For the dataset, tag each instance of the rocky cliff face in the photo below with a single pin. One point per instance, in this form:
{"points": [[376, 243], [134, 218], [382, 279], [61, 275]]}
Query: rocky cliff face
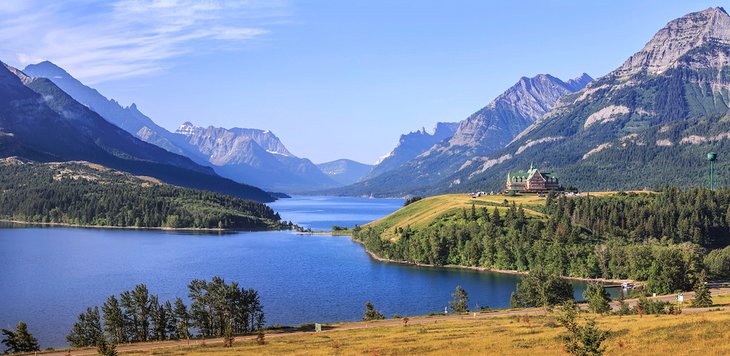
{"points": [[500, 121], [413, 144], [229, 146], [255, 156], [678, 38]]}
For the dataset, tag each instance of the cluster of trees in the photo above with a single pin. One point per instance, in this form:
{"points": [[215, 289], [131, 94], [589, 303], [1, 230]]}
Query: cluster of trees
{"points": [[217, 309], [659, 237], [19, 340], [73, 193], [411, 200]]}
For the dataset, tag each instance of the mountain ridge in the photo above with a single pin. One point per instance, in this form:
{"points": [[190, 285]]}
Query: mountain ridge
{"points": [[40, 122]]}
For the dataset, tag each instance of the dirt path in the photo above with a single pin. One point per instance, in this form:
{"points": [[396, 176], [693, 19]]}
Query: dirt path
{"points": [[373, 324]]}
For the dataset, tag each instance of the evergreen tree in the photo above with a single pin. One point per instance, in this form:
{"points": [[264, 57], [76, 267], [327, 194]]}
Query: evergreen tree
{"points": [[371, 313], [581, 340], [461, 300], [20, 340], [114, 322], [541, 289], [598, 298], [702, 298], [87, 330], [183, 319], [106, 348]]}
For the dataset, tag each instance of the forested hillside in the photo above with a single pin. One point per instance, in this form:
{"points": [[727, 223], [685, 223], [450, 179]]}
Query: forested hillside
{"points": [[82, 193], [660, 237]]}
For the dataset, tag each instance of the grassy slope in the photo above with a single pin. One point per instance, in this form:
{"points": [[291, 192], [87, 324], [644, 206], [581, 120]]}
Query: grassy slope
{"points": [[703, 332], [425, 211]]}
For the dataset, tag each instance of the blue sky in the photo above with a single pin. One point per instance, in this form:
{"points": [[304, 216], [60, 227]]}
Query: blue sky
{"points": [[333, 79]]}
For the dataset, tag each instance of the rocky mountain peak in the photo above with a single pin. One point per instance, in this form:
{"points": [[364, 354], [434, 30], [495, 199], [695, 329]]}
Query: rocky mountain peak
{"points": [[187, 129], [514, 110], [677, 38], [49, 68]]}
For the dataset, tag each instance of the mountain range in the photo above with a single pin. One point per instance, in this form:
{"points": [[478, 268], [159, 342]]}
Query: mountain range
{"points": [[39, 121], [254, 156], [466, 143], [649, 122], [250, 156]]}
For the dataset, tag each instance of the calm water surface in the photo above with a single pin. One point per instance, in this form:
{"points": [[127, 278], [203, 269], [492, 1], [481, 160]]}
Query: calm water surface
{"points": [[49, 275]]}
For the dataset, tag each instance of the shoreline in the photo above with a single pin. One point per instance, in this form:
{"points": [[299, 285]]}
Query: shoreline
{"points": [[487, 269], [158, 228]]}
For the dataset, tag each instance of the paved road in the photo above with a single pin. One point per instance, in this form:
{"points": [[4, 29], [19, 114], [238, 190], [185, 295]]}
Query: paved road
{"points": [[380, 323]]}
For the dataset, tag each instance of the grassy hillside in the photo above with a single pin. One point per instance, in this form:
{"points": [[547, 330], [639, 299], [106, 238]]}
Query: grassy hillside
{"points": [[513, 335], [619, 235], [425, 211]]}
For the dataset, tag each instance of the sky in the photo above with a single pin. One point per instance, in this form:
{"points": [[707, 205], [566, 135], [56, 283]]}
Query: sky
{"points": [[332, 79]]}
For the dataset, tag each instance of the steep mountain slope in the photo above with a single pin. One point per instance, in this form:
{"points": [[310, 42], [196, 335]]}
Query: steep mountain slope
{"points": [[274, 168], [255, 156], [482, 133], [411, 145], [649, 122], [345, 171], [38, 121], [128, 118]]}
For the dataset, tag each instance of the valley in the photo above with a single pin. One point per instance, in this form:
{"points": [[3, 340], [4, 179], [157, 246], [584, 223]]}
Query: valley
{"points": [[448, 243]]}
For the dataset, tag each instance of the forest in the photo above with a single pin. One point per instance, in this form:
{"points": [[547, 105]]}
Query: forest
{"points": [[665, 238], [85, 194]]}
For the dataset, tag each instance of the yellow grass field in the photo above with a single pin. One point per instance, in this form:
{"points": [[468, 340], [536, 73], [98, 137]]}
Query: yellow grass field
{"points": [[705, 333]]}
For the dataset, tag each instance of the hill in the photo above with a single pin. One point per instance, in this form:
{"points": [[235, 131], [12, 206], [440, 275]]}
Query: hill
{"points": [[607, 235], [88, 194]]}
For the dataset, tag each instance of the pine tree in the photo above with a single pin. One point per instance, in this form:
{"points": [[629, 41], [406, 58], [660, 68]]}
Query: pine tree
{"points": [[20, 340], [702, 297], [371, 313], [598, 298], [114, 323], [183, 319], [461, 300], [87, 330]]}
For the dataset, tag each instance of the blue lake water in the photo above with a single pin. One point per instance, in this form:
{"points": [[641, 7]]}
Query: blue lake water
{"points": [[49, 275]]}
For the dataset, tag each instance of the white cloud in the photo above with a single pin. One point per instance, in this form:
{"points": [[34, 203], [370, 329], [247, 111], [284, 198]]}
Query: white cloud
{"points": [[101, 41]]}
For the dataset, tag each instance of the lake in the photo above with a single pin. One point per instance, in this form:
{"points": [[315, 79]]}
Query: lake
{"points": [[49, 275]]}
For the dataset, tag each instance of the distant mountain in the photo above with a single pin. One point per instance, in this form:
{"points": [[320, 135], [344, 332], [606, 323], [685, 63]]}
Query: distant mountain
{"points": [[345, 171], [39, 121], [484, 132], [269, 165], [255, 156], [128, 118], [411, 145], [649, 122]]}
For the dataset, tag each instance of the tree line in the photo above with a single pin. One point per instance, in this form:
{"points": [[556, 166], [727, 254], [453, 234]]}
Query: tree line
{"points": [[216, 309], [73, 193], [660, 237]]}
